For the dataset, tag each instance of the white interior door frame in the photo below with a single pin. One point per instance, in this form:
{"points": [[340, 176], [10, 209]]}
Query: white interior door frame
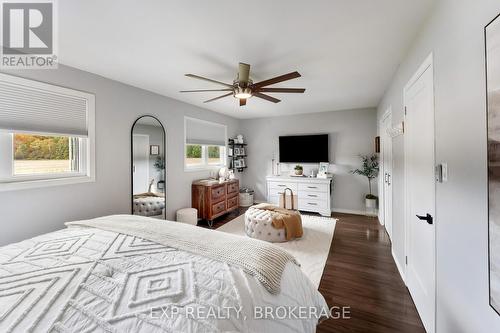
{"points": [[381, 179], [386, 170], [428, 62], [427, 65]]}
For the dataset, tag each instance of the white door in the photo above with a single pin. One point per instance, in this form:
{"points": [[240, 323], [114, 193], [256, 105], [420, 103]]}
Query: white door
{"points": [[420, 193], [387, 172], [140, 167]]}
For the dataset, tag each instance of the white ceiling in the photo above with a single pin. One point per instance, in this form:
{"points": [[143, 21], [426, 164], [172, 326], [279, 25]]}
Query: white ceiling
{"points": [[346, 51]]}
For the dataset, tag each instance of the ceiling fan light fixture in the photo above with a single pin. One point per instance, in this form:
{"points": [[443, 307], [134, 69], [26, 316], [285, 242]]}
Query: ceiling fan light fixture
{"points": [[242, 93]]}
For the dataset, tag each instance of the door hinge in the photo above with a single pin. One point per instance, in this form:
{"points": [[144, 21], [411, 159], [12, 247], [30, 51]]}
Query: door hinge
{"points": [[406, 260], [405, 110]]}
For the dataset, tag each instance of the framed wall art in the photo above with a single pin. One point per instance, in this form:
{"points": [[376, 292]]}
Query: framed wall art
{"points": [[492, 38]]}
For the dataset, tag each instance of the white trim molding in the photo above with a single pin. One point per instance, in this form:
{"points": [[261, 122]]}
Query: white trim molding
{"points": [[350, 211], [398, 266]]}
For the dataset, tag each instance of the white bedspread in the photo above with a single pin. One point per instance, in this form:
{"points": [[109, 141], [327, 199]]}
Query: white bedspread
{"points": [[91, 280]]}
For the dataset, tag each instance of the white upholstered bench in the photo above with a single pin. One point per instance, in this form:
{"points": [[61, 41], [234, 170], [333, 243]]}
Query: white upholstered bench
{"points": [[258, 224], [149, 206]]}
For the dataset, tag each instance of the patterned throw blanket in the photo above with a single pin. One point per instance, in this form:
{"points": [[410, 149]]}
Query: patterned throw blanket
{"points": [[281, 218], [263, 260]]}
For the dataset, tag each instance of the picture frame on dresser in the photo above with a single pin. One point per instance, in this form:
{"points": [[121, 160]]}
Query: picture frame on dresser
{"points": [[323, 167]]}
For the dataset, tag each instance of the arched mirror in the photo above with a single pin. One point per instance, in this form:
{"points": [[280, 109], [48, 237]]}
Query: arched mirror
{"points": [[148, 168]]}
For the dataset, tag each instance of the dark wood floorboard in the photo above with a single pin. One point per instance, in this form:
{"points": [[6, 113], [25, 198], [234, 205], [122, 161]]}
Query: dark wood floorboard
{"points": [[360, 273]]}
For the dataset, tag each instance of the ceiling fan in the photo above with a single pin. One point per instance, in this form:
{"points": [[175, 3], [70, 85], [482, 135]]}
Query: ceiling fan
{"points": [[243, 87]]}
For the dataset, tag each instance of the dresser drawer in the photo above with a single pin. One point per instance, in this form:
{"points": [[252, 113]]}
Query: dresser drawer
{"points": [[218, 208], [218, 193], [232, 202], [283, 185], [273, 191], [312, 205], [324, 188], [312, 195], [233, 188]]}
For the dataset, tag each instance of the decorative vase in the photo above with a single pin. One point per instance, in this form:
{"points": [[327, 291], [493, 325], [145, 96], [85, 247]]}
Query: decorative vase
{"points": [[299, 172]]}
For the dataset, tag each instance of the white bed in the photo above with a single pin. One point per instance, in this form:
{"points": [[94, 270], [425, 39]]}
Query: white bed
{"points": [[84, 279]]}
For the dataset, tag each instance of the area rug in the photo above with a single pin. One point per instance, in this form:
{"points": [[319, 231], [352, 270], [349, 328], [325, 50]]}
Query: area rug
{"points": [[311, 251]]}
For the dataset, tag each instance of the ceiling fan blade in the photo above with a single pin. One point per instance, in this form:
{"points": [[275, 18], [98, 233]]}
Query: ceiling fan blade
{"points": [[204, 90], [267, 97], [243, 102], [282, 90], [243, 72], [274, 80], [216, 98], [209, 80]]}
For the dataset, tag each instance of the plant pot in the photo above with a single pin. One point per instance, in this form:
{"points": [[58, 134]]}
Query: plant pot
{"points": [[371, 203], [371, 207], [299, 172]]}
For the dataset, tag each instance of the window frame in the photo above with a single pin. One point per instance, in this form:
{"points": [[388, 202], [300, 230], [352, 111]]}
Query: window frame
{"points": [[204, 149], [86, 154]]}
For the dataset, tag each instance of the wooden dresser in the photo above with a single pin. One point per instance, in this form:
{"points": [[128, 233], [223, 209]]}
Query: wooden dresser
{"points": [[213, 199]]}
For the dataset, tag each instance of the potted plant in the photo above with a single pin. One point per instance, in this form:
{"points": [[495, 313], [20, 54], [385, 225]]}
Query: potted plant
{"points": [[159, 166], [369, 169], [298, 170]]}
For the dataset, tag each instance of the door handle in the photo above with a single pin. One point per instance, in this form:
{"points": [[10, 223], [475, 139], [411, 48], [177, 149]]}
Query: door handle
{"points": [[427, 218]]}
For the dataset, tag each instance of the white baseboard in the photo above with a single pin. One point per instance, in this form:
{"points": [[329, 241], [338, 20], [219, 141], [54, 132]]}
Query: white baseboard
{"points": [[348, 211], [398, 265]]}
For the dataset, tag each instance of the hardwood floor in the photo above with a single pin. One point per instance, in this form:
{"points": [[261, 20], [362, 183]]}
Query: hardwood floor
{"points": [[360, 274]]}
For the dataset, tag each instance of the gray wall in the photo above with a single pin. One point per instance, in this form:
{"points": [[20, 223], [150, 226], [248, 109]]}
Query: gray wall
{"points": [[26, 213], [352, 132], [454, 33]]}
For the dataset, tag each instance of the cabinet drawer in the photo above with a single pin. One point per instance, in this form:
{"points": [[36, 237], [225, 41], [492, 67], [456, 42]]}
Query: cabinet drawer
{"points": [[279, 191], [283, 185], [312, 205], [233, 188], [218, 193], [325, 188], [313, 195], [218, 207], [232, 202]]}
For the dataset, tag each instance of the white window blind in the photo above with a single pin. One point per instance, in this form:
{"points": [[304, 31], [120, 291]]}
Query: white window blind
{"points": [[31, 106], [201, 132]]}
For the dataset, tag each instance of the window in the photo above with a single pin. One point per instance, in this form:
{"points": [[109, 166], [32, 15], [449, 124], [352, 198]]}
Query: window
{"points": [[43, 154], [194, 155], [46, 134], [205, 144]]}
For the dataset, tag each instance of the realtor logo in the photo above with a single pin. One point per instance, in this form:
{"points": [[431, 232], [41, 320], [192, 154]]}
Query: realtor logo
{"points": [[28, 31]]}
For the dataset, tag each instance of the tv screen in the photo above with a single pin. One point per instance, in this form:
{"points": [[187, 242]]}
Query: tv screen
{"points": [[304, 149]]}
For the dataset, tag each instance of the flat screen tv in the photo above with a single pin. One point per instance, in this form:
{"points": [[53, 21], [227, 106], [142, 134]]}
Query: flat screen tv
{"points": [[304, 148]]}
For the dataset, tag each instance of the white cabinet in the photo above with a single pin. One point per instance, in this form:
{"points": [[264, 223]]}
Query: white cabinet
{"points": [[314, 194]]}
